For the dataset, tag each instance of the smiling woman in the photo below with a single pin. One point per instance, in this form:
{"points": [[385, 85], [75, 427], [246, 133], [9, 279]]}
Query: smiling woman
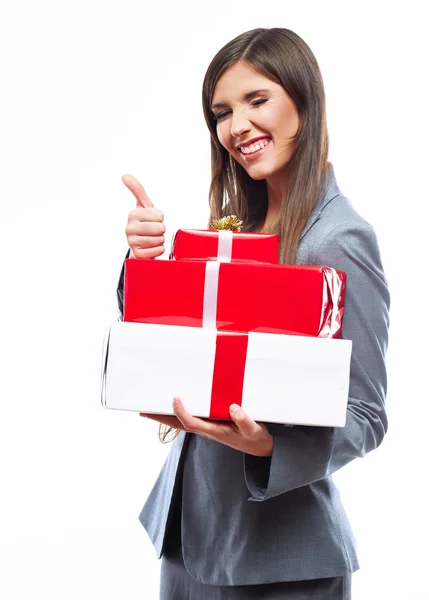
{"points": [[244, 509], [266, 84], [260, 122]]}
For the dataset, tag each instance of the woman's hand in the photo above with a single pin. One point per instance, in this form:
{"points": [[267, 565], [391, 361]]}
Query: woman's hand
{"points": [[242, 433], [145, 228]]}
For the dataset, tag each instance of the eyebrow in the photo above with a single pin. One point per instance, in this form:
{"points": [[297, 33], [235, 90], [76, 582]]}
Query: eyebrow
{"points": [[247, 96]]}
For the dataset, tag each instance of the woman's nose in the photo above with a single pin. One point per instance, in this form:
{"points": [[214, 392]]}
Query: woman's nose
{"points": [[239, 124]]}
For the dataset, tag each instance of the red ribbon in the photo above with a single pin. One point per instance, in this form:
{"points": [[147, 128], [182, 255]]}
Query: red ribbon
{"points": [[228, 374]]}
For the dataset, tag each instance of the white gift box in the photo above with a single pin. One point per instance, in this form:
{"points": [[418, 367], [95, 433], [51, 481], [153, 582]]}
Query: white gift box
{"points": [[286, 379]]}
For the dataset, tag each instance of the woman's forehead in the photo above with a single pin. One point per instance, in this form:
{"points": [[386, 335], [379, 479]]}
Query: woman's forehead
{"points": [[238, 81]]}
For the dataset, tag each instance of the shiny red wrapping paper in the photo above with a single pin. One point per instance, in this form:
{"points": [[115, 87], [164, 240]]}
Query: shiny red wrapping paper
{"points": [[228, 374], [204, 244], [286, 299]]}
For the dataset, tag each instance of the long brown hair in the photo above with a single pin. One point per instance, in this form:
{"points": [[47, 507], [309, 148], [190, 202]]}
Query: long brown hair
{"points": [[282, 56]]}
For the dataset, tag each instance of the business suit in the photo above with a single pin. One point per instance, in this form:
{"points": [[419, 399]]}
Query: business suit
{"points": [[249, 521]]}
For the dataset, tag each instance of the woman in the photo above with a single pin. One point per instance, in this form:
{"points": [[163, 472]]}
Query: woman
{"points": [[244, 509]]}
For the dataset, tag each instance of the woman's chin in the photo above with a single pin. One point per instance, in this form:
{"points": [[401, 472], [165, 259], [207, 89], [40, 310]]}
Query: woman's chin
{"points": [[257, 173]]}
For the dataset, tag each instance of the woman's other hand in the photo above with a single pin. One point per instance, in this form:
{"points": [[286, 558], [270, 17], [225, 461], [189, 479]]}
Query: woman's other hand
{"points": [[145, 227], [242, 433]]}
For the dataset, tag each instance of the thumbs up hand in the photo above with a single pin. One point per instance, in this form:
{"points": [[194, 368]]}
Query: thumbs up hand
{"points": [[145, 227]]}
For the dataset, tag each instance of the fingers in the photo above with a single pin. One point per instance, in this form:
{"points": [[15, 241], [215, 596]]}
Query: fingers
{"points": [[142, 199], [247, 426], [145, 232], [194, 424], [146, 241], [146, 214], [148, 253], [149, 228], [241, 433]]}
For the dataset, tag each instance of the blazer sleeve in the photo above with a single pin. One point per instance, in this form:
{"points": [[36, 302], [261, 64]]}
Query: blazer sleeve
{"points": [[302, 455], [120, 288]]}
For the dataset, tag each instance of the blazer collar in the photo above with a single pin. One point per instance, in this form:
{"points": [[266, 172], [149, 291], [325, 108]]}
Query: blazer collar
{"points": [[328, 191]]}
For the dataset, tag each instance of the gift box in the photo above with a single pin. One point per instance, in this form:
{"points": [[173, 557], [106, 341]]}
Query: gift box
{"points": [[275, 378], [240, 297], [224, 246]]}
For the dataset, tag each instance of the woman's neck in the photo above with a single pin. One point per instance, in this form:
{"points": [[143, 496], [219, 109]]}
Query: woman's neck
{"points": [[277, 190]]}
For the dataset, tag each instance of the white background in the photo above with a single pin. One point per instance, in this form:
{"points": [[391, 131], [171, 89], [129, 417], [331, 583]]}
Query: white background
{"points": [[92, 90]]}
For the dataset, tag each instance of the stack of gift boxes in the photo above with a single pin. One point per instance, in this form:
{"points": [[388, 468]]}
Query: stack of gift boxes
{"points": [[222, 322]]}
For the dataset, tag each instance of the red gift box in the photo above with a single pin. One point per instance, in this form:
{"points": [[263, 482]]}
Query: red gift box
{"points": [[240, 297], [224, 245]]}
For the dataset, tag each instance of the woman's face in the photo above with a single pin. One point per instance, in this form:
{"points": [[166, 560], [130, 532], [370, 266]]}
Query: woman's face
{"points": [[255, 120]]}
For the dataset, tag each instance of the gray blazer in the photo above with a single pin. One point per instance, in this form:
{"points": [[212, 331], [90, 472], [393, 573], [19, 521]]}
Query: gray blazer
{"points": [[250, 520]]}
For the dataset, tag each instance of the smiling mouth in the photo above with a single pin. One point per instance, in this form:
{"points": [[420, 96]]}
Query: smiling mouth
{"points": [[254, 150]]}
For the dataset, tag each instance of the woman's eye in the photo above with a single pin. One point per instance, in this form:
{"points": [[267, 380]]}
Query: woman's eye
{"points": [[221, 115], [225, 113], [259, 101]]}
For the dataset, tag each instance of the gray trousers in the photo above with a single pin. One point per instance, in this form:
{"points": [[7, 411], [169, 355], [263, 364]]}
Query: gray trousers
{"points": [[177, 584]]}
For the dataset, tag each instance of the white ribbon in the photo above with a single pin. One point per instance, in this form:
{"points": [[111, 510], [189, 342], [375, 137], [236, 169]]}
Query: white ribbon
{"points": [[224, 249], [211, 282], [210, 293]]}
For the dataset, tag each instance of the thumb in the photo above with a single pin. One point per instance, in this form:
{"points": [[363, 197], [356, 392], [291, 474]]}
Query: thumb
{"points": [[246, 425], [138, 190]]}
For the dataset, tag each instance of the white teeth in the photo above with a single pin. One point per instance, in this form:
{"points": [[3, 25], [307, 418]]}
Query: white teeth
{"points": [[253, 147]]}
